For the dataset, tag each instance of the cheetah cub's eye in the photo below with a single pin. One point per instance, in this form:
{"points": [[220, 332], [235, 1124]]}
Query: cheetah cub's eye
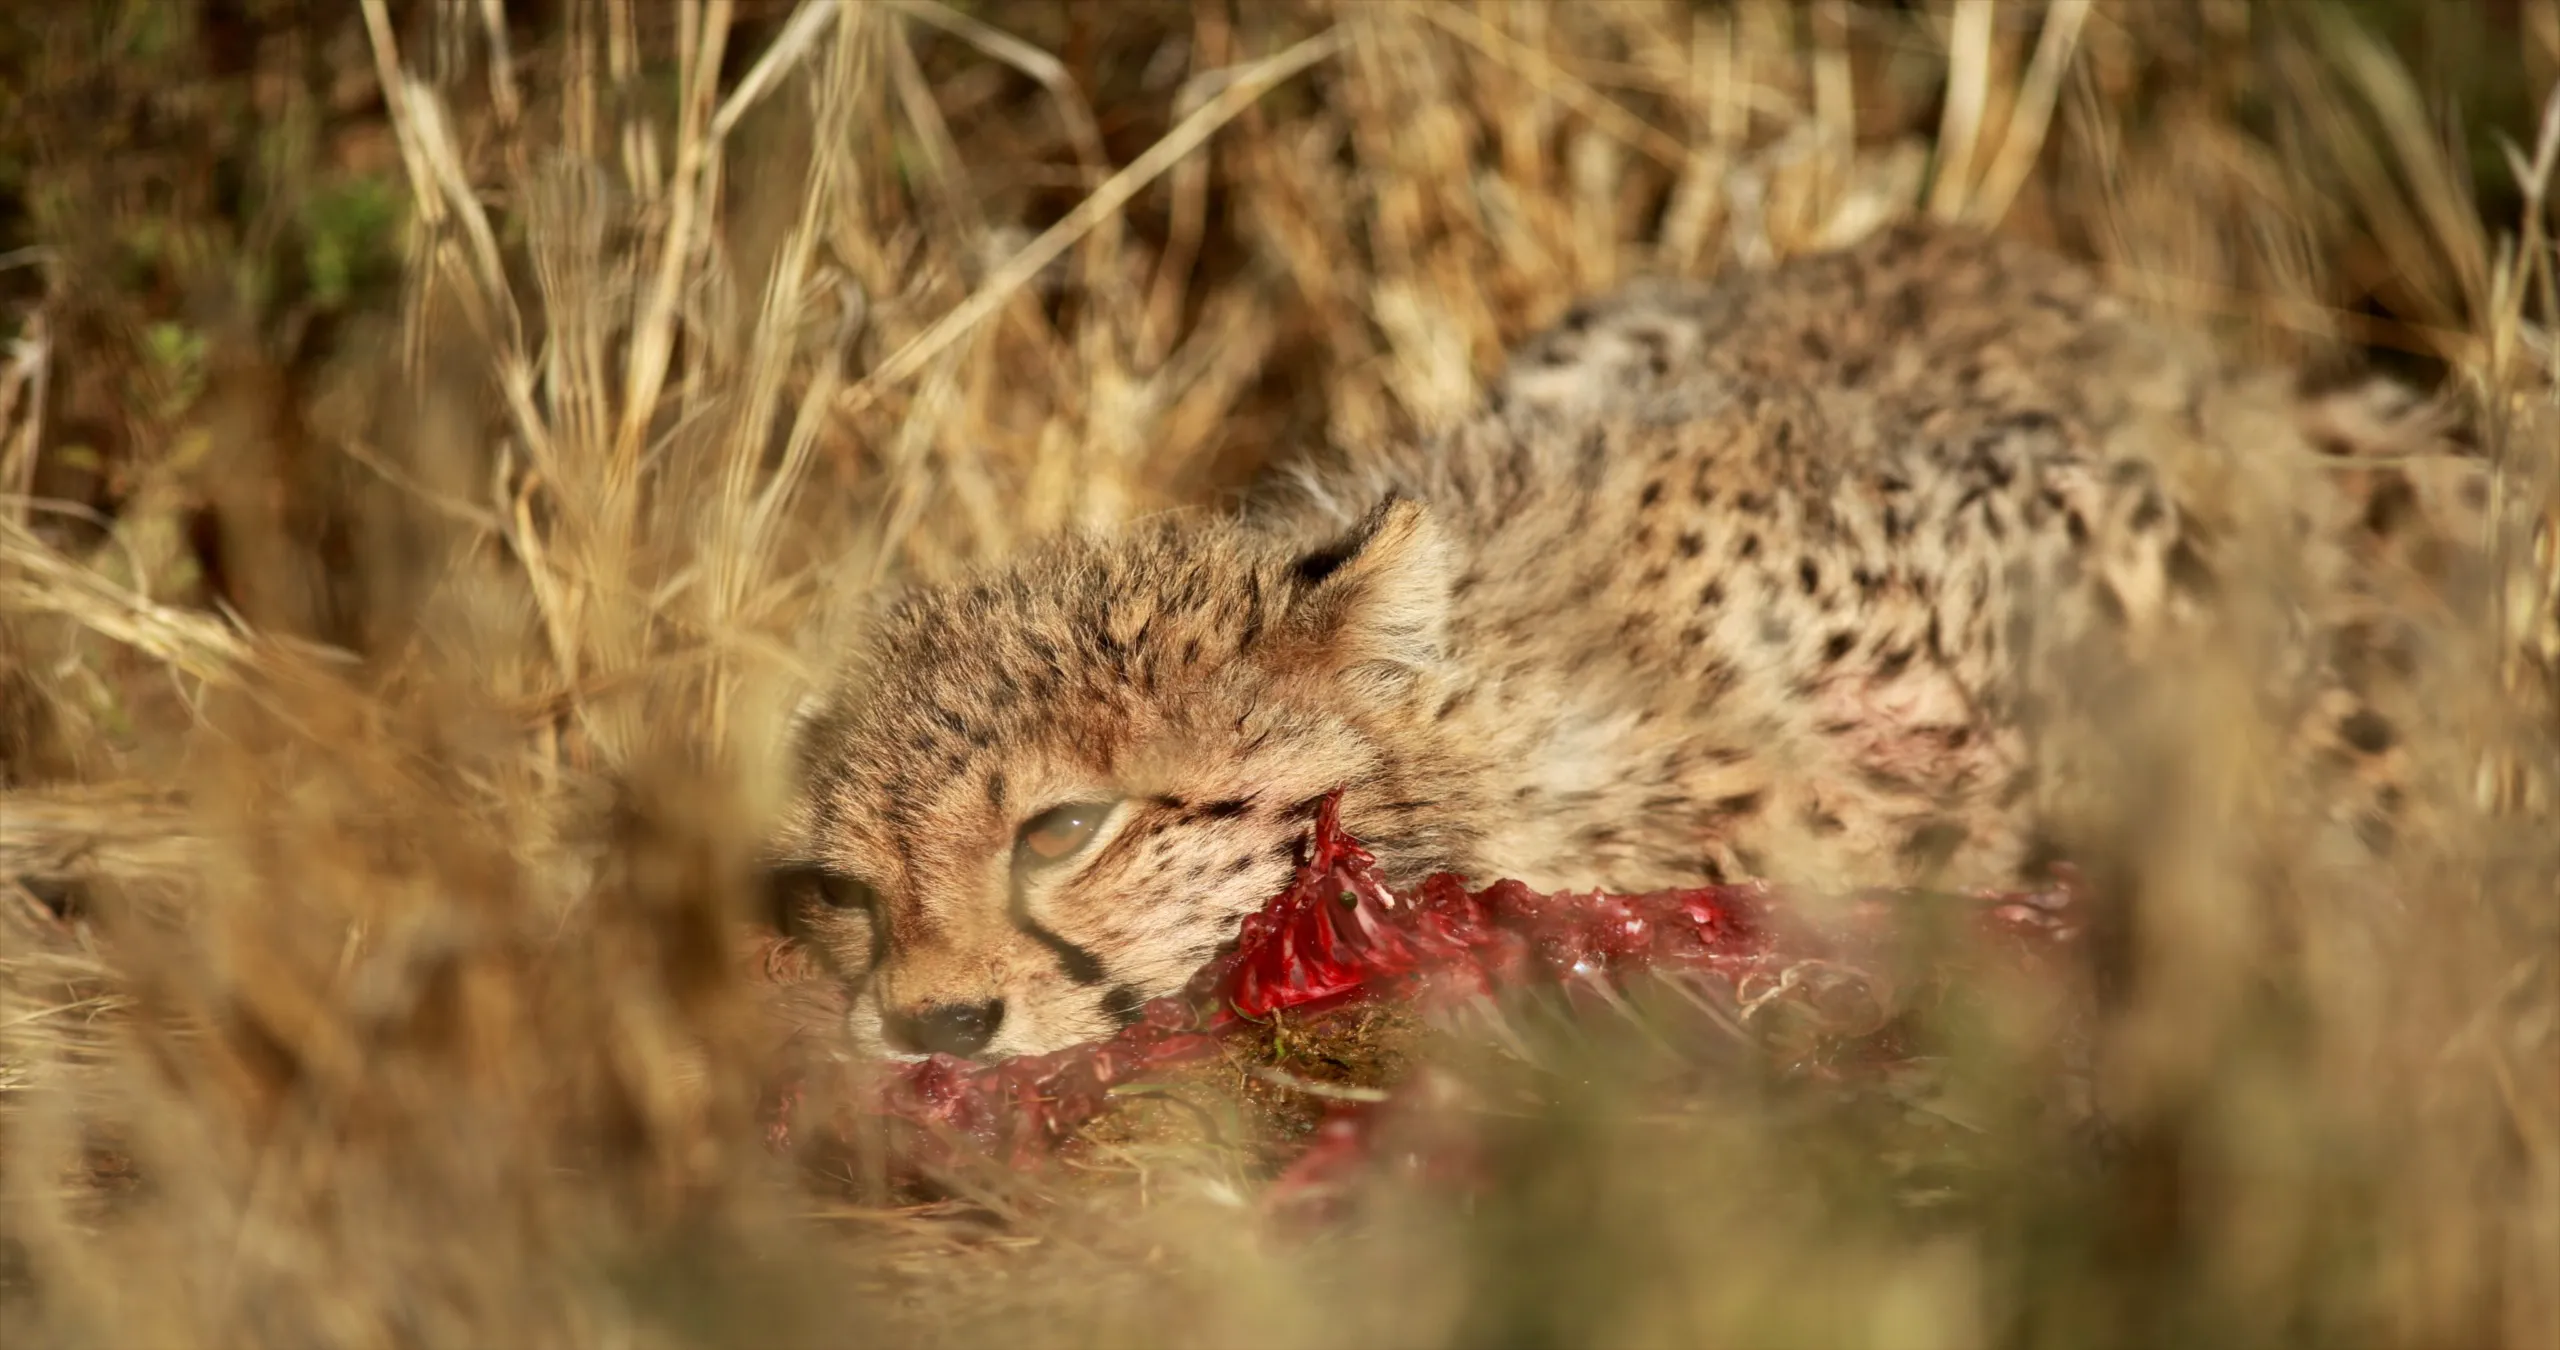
{"points": [[1059, 833], [799, 894], [832, 889], [847, 893]]}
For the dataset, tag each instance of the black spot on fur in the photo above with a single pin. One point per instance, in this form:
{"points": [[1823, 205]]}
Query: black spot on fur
{"points": [[1932, 844], [1837, 645], [1690, 544], [2368, 731], [2393, 503], [1224, 810], [2044, 855], [1903, 309], [2189, 572], [1657, 349], [1121, 1005], [1738, 805], [1651, 495], [2110, 606], [1595, 450], [2149, 513], [1808, 575]]}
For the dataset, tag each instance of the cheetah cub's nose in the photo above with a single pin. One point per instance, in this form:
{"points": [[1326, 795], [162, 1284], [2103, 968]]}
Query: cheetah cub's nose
{"points": [[945, 1028]]}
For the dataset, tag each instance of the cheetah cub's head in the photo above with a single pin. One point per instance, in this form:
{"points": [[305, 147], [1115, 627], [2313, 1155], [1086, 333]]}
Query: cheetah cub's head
{"points": [[1046, 795]]}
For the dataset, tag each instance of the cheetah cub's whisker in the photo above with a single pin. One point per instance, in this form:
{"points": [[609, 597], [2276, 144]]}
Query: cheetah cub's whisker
{"points": [[1799, 574]]}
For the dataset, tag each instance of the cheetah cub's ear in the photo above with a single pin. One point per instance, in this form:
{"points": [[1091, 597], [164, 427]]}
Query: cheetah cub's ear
{"points": [[1378, 597]]}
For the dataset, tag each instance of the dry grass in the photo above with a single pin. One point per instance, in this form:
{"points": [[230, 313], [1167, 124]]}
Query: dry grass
{"points": [[428, 441]]}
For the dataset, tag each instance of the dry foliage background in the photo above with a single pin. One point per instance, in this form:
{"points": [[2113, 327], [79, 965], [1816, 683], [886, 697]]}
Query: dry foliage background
{"points": [[432, 433]]}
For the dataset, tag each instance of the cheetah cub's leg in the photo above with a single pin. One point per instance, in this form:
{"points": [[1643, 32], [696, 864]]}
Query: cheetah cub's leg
{"points": [[2400, 518], [2378, 511], [2380, 514]]}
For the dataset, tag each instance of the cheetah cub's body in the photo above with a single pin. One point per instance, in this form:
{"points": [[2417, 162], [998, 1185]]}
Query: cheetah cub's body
{"points": [[1789, 575]]}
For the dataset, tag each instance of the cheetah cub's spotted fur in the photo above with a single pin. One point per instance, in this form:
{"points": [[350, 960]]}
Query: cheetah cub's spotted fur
{"points": [[1788, 575]]}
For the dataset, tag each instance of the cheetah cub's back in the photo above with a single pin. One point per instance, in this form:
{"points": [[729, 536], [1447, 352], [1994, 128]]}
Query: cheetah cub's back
{"points": [[1810, 574]]}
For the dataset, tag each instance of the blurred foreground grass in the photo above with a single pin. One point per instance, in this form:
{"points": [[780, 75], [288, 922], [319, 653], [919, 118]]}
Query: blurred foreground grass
{"points": [[432, 435]]}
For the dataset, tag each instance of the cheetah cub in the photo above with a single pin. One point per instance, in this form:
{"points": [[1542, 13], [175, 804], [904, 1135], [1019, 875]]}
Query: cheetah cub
{"points": [[1790, 575]]}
